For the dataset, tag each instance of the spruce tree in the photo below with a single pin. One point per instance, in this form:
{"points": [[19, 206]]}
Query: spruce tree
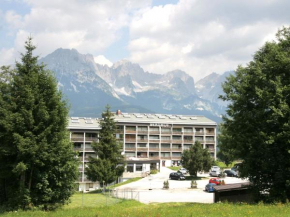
{"points": [[196, 159], [109, 163], [38, 165]]}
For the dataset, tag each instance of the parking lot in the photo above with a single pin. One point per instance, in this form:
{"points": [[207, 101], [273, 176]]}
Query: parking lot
{"points": [[151, 188]]}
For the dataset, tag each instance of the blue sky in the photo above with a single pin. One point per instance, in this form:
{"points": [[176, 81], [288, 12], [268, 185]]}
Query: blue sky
{"points": [[197, 36]]}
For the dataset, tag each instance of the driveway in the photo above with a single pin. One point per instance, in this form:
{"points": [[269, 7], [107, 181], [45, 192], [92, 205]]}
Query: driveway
{"points": [[151, 190]]}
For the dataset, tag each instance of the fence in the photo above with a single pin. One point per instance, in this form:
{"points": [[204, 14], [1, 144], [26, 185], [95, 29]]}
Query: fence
{"points": [[110, 197]]}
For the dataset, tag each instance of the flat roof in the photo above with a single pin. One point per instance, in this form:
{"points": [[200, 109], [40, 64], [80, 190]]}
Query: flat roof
{"points": [[230, 187], [140, 118], [163, 119]]}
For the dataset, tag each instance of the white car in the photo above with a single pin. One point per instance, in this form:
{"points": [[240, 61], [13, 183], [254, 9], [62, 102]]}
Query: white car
{"points": [[215, 171], [183, 170]]}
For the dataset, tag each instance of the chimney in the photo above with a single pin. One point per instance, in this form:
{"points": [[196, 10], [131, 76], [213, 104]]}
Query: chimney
{"points": [[118, 112]]}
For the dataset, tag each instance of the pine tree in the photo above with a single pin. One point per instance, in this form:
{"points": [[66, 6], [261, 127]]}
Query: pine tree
{"points": [[196, 159], [109, 163], [38, 165]]}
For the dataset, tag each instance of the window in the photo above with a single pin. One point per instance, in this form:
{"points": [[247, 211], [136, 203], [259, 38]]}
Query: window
{"points": [[130, 168], [91, 185], [139, 167], [154, 137]]}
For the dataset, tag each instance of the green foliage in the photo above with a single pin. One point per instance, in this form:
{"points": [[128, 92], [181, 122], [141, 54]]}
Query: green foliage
{"points": [[196, 159], [166, 184], [226, 153], [37, 164], [257, 125], [153, 171], [174, 168], [109, 164]]}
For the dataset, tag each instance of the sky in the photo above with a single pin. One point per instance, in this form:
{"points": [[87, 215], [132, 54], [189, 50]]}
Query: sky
{"points": [[196, 36]]}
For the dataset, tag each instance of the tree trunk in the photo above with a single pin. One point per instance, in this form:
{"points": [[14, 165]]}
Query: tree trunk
{"points": [[30, 179]]}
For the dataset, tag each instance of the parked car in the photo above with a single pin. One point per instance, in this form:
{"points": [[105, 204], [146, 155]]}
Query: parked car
{"points": [[231, 173], [215, 171], [183, 171], [215, 181], [177, 176], [209, 187]]}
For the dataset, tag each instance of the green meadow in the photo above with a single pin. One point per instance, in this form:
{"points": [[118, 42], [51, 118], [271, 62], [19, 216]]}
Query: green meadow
{"points": [[95, 205]]}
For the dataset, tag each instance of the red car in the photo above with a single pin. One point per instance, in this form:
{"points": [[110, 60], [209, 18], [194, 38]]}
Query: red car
{"points": [[215, 180]]}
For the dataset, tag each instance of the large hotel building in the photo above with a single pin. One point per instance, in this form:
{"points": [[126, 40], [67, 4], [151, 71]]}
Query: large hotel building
{"points": [[150, 141]]}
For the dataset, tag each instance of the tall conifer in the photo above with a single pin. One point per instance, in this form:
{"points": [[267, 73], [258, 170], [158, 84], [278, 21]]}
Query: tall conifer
{"points": [[38, 165], [109, 163]]}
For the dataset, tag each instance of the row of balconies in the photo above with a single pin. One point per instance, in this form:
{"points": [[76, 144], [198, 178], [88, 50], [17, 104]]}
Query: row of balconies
{"points": [[165, 141], [165, 133]]}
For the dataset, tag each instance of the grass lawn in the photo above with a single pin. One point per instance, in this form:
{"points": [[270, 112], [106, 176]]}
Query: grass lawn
{"points": [[174, 168], [134, 208]]}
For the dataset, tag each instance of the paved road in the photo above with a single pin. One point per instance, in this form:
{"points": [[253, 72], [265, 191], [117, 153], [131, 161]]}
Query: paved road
{"points": [[150, 189]]}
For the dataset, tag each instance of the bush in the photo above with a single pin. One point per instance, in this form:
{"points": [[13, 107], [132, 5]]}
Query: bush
{"points": [[153, 171], [166, 185]]}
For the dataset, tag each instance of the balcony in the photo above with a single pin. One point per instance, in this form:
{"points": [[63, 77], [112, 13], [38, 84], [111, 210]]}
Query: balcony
{"points": [[142, 148], [89, 149], [142, 132], [188, 133], [80, 169], [165, 140], [211, 149], [78, 148], [177, 149], [165, 158], [209, 141], [154, 132], [209, 133], [130, 149], [131, 131], [92, 139], [199, 133], [142, 156], [165, 149], [177, 132], [154, 157], [142, 140], [130, 139], [176, 141], [187, 141], [77, 138], [176, 158], [153, 149], [166, 132]]}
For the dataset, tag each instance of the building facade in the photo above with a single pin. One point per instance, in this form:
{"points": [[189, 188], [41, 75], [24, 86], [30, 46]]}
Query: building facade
{"points": [[150, 141]]}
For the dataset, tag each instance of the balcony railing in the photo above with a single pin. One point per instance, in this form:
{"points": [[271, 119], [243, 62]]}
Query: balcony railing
{"points": [[77, 139], [154, 132], [209, 133], [176, 141], [176, 157], [165, 132], [142, 131], [199, 133], [154, 157], [142, 156], [166, 140], [165, 149], [177, 149], [209, 141], [130, 139], [168, 158], [142, 149], [91, 139], [188, 140], [78, 149], [142, 140], [153, 149], [89, 149], [130, 149], [176, 132], [188, 133]]}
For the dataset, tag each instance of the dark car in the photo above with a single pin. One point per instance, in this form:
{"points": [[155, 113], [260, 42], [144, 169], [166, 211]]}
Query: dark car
{"points": [[177, 176], [209, 187], [231, 173]]}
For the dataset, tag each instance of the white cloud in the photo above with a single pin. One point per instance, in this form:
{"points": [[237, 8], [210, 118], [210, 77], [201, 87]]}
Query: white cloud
{"points": [[206, 36], [89, 26], [7, 56], [102, 60]]}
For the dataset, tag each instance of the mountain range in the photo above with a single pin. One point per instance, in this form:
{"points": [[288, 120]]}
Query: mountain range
{"points": [[89, 87]]}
